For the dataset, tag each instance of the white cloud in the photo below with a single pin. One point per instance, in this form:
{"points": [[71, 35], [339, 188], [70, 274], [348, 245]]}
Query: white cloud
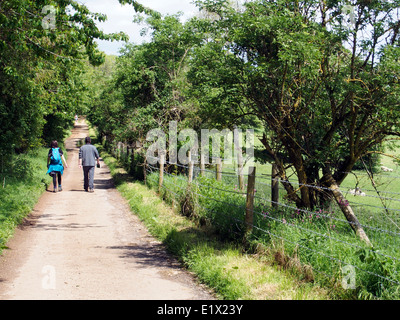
{"points": [[120, 18]]}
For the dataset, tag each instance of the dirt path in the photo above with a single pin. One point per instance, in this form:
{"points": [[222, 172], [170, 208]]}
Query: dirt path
{"points": [[78, 245]]}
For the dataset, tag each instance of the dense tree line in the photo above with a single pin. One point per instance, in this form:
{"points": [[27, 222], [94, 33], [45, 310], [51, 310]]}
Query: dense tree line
{"points": [[320, 78], [45, 50]]}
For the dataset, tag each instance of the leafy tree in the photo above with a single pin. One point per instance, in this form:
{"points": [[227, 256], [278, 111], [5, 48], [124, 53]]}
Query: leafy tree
{"points": [[149, 81], [41, 67], [323, 81]]}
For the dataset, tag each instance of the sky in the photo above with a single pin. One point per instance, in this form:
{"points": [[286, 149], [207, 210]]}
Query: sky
{"points": [[119, 18]]}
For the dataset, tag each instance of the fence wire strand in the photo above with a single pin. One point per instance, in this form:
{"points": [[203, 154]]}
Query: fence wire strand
{"points": [[284, 222]]}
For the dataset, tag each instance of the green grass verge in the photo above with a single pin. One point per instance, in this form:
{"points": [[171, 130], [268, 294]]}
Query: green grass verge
{"points": [[221, 265], [22, 183]]}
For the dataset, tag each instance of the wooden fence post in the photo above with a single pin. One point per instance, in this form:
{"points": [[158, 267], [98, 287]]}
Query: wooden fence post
{"points": [[249, 220], [161, 178], [219, 169], [274, 186]]}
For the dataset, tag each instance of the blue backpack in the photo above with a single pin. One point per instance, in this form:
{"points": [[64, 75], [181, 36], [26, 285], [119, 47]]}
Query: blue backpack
{"points": [[55, 156]]}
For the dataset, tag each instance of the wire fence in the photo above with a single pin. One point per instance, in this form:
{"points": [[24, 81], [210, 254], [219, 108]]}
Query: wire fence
{"points": [[321, 239]]}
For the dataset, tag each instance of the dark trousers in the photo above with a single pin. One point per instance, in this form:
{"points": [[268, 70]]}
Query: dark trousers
{"points": [[55, 175], [88, 178]]}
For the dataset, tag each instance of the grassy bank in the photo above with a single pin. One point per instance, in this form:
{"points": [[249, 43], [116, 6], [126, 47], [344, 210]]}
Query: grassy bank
{"points": [[317, 246], [221, 265], [23, 181]]}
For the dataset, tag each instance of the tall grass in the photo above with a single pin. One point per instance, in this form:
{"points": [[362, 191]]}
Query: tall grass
{"points": [[319, 245], [23, 181], [218, 263]]}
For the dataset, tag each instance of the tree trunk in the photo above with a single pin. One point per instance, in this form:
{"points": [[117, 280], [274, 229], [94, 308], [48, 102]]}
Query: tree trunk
{"points": [[291, 193], [346, 209]]}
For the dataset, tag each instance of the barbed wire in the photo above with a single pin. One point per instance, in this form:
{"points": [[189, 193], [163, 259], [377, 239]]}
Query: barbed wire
{"points": [[298, 227], [319, 214], [325, 216], [307, 211], [293, 182], [327, 256], [316, 187], [236, 223], [358, 204], [350, 201], [328, 189], [201, 195], [341, 186], [322, 235]]}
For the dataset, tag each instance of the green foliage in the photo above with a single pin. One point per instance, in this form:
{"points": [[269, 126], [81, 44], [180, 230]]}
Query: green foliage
{"points": [[322, 95], [319, 84], [41, 68], [220, 265], [22, 182], [326, 96], [317, 240], [148, 87]]}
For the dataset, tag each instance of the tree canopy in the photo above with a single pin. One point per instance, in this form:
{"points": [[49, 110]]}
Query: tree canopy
{"points": [[148, 87], [318, 79], [44, 49], [321, 76]]}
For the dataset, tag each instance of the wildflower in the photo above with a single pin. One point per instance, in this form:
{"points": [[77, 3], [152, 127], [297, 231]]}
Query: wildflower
{"points": [[284, 220]]}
